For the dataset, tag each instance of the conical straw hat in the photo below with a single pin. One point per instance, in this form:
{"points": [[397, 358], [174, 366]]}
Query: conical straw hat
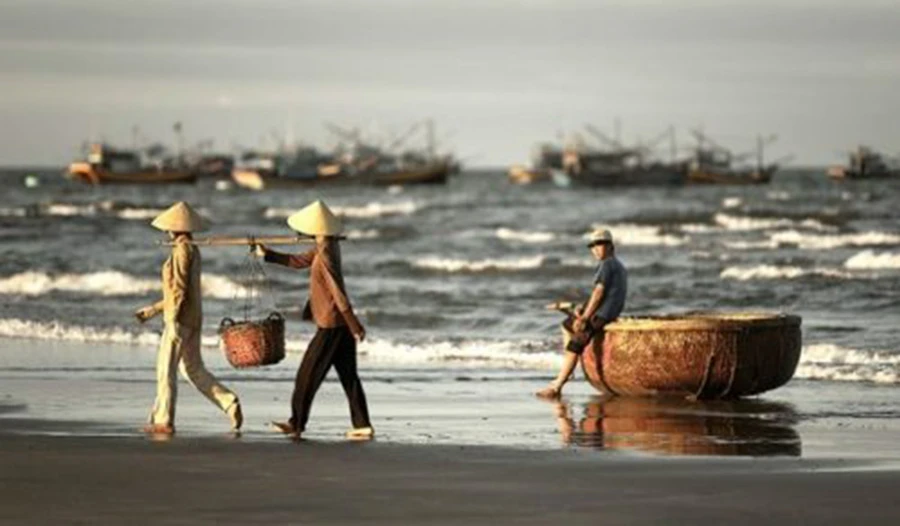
{"points": [[180, 217], [316, 220]]}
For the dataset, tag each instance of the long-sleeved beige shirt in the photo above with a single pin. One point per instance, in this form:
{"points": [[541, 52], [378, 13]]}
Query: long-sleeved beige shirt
{"points": [[182, 302], [328, 305]]}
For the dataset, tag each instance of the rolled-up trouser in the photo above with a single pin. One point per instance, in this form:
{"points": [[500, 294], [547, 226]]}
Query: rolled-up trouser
{"points": [[333, 346], [179, 348]]}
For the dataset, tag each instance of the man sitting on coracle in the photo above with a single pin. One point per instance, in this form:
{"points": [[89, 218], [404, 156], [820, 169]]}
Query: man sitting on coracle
{"points": [[604, 306]]}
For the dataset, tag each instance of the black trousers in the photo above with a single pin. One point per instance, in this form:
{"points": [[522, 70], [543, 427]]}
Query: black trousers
{"points": [[329, 347]]}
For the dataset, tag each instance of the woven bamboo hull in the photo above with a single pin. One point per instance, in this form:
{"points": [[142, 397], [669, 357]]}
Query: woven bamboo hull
{"points": [[701, 356]]}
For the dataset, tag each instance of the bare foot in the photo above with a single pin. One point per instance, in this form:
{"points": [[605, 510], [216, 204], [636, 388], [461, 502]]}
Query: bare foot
{"points": [[549, 392], [159, 429], [287, 428]]}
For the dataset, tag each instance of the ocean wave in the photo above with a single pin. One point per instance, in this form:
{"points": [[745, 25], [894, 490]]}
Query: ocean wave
{"points": [[831, 362], [455, 265], [99, 209], [363, 234], [533, 237], [13, 212], [53, 330], [641, 235], [831, 241], [817, 361], [732, 202], [745, 223], [774, 272], [107, 283], [751, 245], [470, 353], [367, 211], [869, 259]]}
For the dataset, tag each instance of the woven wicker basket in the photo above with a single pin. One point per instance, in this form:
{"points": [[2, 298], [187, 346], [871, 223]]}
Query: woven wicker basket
{"points": [[253, 343]]}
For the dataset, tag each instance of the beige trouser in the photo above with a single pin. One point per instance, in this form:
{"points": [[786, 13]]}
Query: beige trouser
{"points": [[181, 346]]}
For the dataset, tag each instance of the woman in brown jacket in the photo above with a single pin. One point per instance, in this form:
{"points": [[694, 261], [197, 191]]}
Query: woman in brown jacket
{"points": [[329, 308]]}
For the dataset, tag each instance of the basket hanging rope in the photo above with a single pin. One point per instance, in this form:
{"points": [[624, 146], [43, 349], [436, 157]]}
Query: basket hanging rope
{"points": [[252, 343]]}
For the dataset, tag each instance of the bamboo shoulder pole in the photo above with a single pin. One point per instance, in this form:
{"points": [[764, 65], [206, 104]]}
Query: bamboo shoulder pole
{"points": [[226, 241]]}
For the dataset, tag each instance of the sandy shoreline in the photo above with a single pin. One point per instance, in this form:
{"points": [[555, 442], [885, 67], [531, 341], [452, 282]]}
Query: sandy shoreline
{"points": [[215, 479], [454, 447]]}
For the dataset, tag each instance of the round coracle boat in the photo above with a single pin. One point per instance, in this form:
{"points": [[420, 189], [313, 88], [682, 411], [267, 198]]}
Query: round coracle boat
{"points": [[695, 355]]}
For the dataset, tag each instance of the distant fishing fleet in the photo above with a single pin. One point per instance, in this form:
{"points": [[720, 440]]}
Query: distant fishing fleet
{"points": [[589, 158]]}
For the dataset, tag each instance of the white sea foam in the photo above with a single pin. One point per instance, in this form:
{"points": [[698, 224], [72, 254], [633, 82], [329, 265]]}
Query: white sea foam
{"points": [[367, 211], [641, 235], [377, 209], [831, 241], [745, 223], [473, 353], [480, 265], [774, 272], [778, 196], [102, 209], [732, 202], [869, 259], [698, 228], [751, 245], [831, 362], [106, 283], [138, 213], [363, 234], [13, 212], [16, 328], [533, 237]]}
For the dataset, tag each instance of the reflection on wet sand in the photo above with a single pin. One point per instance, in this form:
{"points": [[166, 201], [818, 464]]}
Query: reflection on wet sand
{"points": [[681, 427]]}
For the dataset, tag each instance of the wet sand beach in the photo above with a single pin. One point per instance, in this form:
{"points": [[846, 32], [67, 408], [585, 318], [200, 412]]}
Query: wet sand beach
{"points": [[471, 447], [215, 480]]}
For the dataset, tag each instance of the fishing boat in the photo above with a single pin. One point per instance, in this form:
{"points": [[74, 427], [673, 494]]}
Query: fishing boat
{"points": [[695, 355], [606, 162], [714, 164], [865, 163], [106, 165], [519, 174], [618, 168], [261, 172]]}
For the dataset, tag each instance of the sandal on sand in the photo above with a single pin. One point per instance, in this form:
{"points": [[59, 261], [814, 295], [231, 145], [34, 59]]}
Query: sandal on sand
{"points": [[361, 433], [236, 416], [159, 429], [286, 428]]}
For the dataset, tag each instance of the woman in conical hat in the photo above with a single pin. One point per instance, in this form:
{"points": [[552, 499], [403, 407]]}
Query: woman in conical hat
{"points": [[329, 308], [182, 310]]}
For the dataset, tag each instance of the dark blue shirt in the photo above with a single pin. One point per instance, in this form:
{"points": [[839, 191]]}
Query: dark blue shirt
{"points": [[612, 275]]}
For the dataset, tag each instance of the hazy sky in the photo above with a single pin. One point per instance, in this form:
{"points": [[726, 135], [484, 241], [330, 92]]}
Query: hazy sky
{"points": [[497, 76]]}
